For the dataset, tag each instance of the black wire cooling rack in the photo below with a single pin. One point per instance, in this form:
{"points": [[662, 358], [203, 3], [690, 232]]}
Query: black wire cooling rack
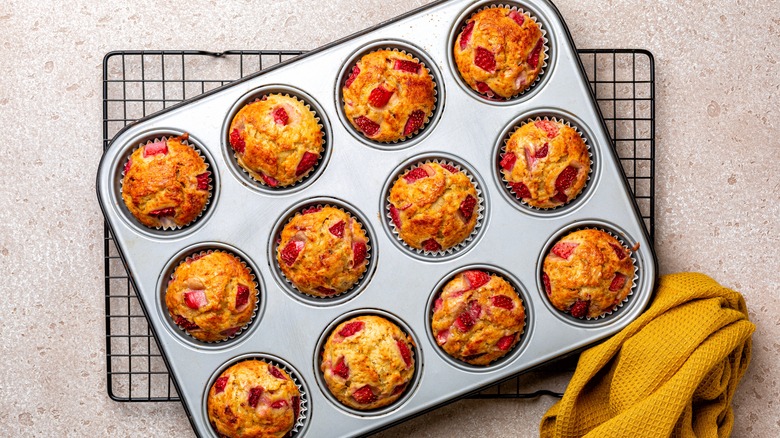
{"points": [[139, 83]]}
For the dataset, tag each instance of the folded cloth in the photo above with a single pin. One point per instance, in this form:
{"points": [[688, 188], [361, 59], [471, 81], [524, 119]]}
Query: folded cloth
{"points": [[671, 372]]}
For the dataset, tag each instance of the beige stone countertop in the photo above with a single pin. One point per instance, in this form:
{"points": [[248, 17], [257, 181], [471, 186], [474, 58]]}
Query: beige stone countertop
{"points": [[717, 173]]}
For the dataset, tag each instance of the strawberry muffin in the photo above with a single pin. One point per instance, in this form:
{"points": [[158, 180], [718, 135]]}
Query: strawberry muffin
{"points": [[277, 139], [588, 273], [323, 251], [433, 207], [165, 183], [500, 52], [254, 399], [211, 295], [478, 317], [388, 95], [367, 362], [545, 163]]}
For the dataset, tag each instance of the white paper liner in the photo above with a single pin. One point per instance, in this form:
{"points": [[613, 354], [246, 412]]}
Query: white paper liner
{"points": [[168, 224], [502, 151], [479, 211]]}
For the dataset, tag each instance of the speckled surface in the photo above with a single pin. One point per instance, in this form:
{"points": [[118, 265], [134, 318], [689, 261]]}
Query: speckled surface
{"points": [[718, 185]]}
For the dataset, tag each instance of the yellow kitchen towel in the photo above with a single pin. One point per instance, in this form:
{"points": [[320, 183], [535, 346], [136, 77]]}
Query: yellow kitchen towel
{"points": [[671, 372]]}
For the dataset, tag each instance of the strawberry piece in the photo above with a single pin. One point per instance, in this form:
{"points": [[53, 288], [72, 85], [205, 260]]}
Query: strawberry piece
{"points": [[269, 180], [450, 168], [467, 207], [254, 395], [351, 328], [379, 97], [338, 229], [508, 161], [464, 322], [280, 116], [242, 297], [437, 304], [543, 151], [414, 122], [579, 309], [168, 211], [566, 178], [325, 290], [195, 299], [561, 197], [359, 251], [203, 181], [296, 405], [618, 282], [352, 76], [219, 385], [474, 309], [618, 251], [521, 190], [518, 17], [476, 279], [431, 245], [415, 174], [308, 160], [503, 302], [405, 353], [279, 404], [546, 281], [465, 36], [485, 89], [156, 148], [407, 66], [291, 251], [485, 59], [395, 215], [505, 342], [529, 157], [276, 372], [549, 128], [310, 210], [128, 165], [185, 323], [564, 249], [236, 142], [399, 389], [367, 126], [341, 369], [230, 332], [364, 395], [533, 57], [442, 336]]}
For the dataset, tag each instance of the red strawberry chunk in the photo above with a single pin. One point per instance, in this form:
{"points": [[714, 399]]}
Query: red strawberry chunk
{"points": [[341, 369], [168, 211], [230, 332], [203, 181], [561, 197], [477, 278], [564, 249], [518, 17], [505, 342], [542, 151], [237, 142], [450, 168], [503, 302], [367, 126], [269, 180], [338, 229], [465, 36], [399, 389], [308, 160], [254, 395], [414, 122], [407, 66], [219, 385], [195, 299], [508, 161], [464, 322], [325, 290], [156, 148], [379, 97], [442, 336], [474, 309], [485, 59], [280, 116], [485, 89], [437, 304], [549, 128], [352, 76], [276, 372], [310, 210], [415, 174], [291, 251], [296, 405], [533, 57], [579, 309], [566, 178], [618, 282], [405, 353], [364, 395], [352, 328], [359, 251], [128, 165], [279, 404], [521, 190], [546, 281], [185, 323], [431, 245], [242, 297], [618, 251], [395, 215], [467, 207]]}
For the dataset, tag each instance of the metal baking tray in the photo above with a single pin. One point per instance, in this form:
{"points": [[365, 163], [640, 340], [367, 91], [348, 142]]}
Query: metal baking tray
{"points": [[466, 128]]}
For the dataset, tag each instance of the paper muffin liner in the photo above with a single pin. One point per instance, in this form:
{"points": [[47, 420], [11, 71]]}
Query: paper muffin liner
{"points": [[195, 256], [545, 48], [357, 283], [428, 117], [629, 249], [167, 224], [502, 151], [479, 211], [256, 176]]}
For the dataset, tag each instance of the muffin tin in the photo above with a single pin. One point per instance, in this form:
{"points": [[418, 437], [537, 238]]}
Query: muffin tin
{"points": [[512, 240]]}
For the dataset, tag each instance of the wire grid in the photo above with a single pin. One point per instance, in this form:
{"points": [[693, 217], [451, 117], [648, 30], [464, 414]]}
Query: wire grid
{"points": [[139, 83]]}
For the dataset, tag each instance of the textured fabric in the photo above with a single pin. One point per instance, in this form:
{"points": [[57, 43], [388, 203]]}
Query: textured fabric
{"points": [[672, 372]]}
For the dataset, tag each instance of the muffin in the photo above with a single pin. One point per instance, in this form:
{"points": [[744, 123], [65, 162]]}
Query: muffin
{"points": [[500, 52], [322, 251], [546, 163], [367, 362], [388, 95], [434, 206], [277, 139], [165, 183], [478, 317], [211, 295], [253, 399], [588, 273]]}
